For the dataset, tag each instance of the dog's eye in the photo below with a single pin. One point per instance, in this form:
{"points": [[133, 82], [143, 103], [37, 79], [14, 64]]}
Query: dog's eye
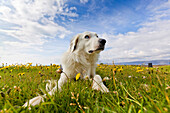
{"points": [[86, 37], [97, 36]]}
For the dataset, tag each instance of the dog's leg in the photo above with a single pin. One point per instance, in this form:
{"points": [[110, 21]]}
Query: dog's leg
{"points": [[37, 100], [91, 70], [34, 101], [98, 84], [63, 79]]}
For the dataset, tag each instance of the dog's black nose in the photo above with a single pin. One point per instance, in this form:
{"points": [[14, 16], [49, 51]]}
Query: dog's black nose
{"points": [[102, 41]]}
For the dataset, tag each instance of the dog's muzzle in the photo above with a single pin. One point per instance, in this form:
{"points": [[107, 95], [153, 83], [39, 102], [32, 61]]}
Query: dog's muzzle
{"points": [[101, 45], [102, 41]]}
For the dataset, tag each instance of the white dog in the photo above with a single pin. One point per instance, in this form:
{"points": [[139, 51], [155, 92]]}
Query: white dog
{"points": [[81, 57]]}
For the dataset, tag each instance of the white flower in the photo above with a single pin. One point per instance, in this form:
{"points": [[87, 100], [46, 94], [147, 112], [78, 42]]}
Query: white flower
{"points": [[106, 78], [143, 77]]}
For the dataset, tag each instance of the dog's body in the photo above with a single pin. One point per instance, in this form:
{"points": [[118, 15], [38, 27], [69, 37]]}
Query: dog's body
{"points": [[81, 58]]}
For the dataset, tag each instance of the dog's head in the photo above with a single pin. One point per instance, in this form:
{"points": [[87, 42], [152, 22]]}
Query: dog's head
{"points": [[88, 42]]}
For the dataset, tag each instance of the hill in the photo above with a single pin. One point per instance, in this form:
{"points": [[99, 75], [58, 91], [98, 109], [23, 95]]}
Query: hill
{"points": [[154, 62]]}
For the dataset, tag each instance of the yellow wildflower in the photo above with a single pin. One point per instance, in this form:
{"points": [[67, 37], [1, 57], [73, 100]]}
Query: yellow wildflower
{"points": [[58, 66], [21, 74], [54, 65], [120, 69], [138, 68], [11, 70], [78, 76], [139, 71]]}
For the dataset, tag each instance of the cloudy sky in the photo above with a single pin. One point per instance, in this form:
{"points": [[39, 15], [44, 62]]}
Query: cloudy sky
{"points": [[39, 31]]}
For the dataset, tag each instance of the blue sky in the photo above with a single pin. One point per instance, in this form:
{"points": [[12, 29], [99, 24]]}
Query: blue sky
{"points": [[40, 31]]}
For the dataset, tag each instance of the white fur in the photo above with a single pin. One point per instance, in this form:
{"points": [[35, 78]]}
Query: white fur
{"points": [[34, 101], [98, 84], [77, 59]]}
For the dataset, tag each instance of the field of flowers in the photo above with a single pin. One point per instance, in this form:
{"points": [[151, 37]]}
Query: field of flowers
{"points": [[133, 89]]}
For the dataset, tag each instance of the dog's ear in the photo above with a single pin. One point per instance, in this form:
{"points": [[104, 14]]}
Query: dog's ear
{"points": [[73, 44]]}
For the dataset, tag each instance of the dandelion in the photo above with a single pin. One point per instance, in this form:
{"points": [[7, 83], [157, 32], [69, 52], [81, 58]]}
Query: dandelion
{"points": [[58, 66], [138, 68], [120, 70], [60, 69], [139, 111], [114, 69], [78, 76], [11, 71], [139, 71], [20, 74], [54, 65], [29, 64]]}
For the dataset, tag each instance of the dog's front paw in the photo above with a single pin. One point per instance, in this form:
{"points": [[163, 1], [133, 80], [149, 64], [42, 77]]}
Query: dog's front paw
{"points": [[35, 101], [98, 84]]}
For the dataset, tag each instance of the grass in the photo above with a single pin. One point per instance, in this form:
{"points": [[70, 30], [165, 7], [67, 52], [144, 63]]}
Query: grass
{"points": [[133, 89]]}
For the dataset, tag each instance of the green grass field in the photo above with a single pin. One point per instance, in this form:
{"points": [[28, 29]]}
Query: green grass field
{"points": [[133, 89]]}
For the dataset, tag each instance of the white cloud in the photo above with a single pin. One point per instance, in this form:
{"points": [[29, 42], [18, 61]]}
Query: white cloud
{"points": [[83, 1], [20, 52], [32, 58], [162, 10], [29, 16], [26, 25], [151, 42]]}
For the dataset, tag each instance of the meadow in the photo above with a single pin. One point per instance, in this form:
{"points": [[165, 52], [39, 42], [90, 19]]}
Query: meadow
{"points": [[133, 89]]}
